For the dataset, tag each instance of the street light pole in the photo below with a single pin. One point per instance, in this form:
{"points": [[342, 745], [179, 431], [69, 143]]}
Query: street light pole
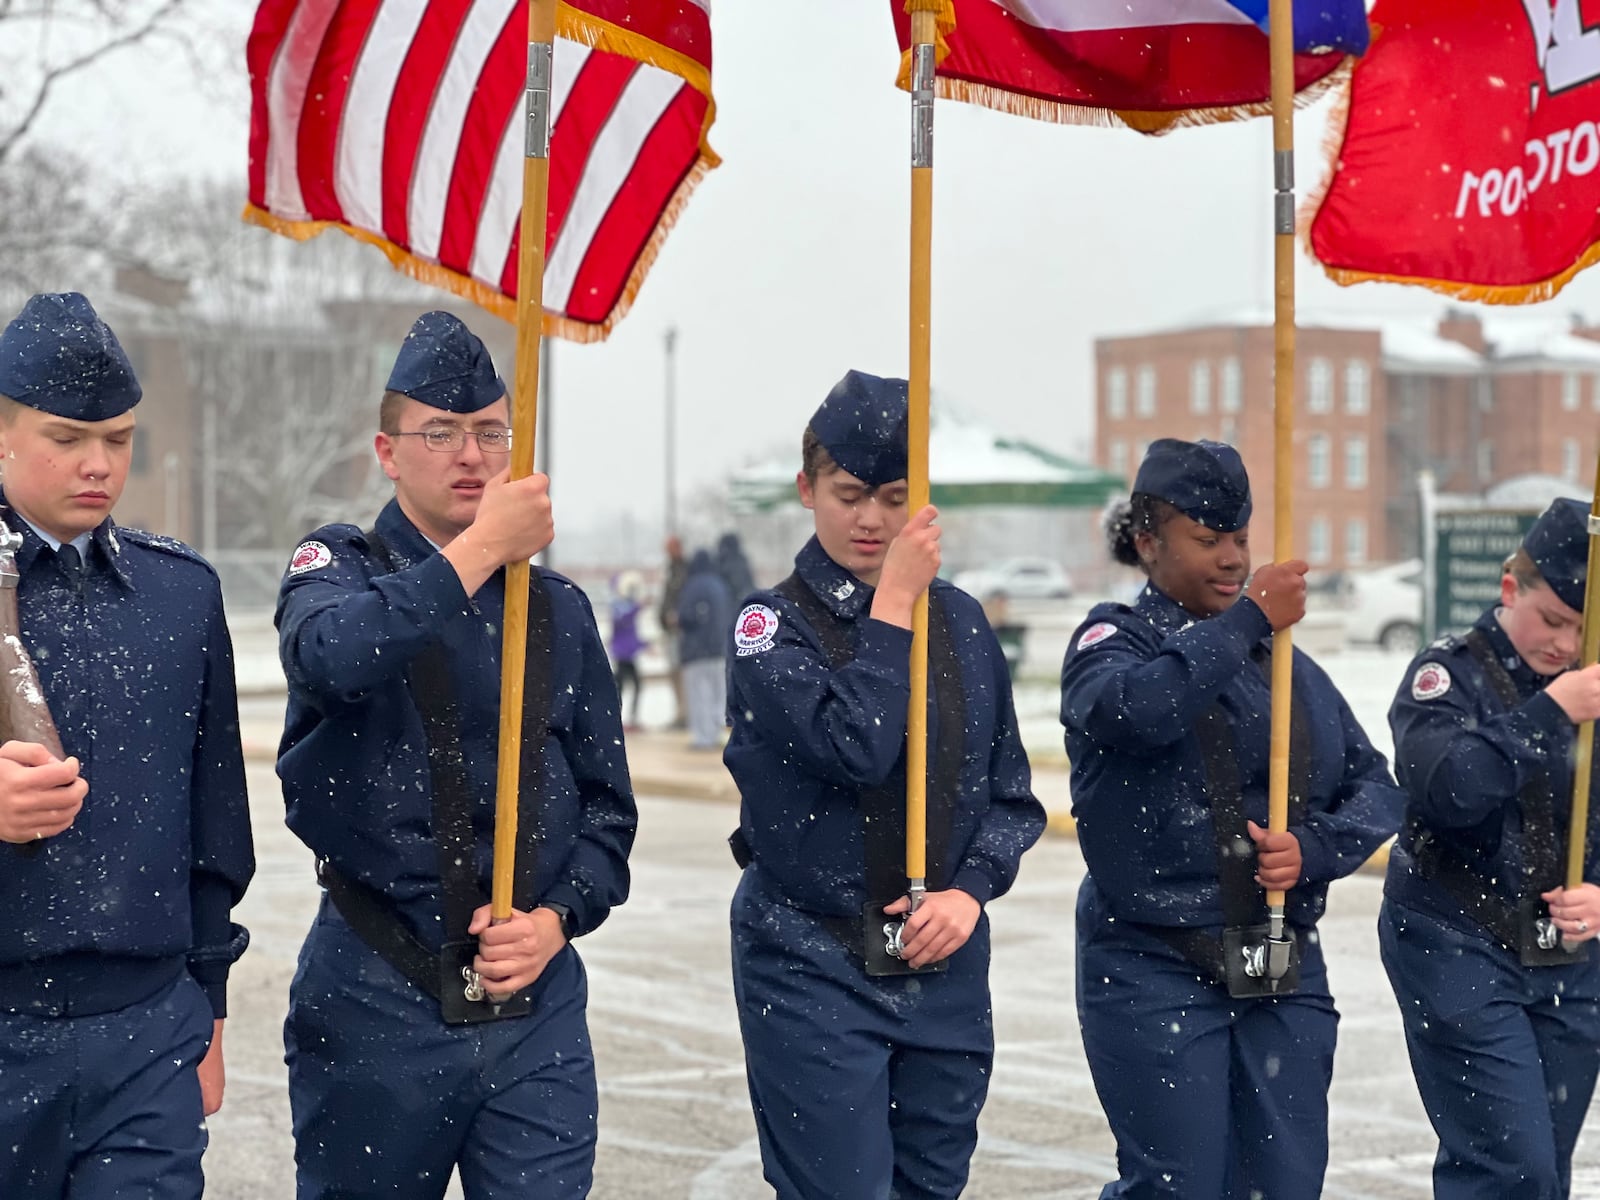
{"points": [[670, 338]]}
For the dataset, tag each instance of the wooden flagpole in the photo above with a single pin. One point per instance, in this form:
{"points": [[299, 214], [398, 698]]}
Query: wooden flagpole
{"points": [[524, 424], [1281, 18], [1582, 767], [923, 35]]}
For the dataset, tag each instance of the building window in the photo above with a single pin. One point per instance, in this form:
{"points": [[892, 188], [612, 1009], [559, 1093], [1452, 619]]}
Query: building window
{"points": [[1319, 386], [1594, 394], [1571, 465], [1569, 391], [1230, 432], [1145, 400], [1355, 541], [1117, 457], [1200, 386], [1318, 549], [1355, 462], [1117, 393], [1485, 460], [1233, 386], [1139, 453], [139, 460], [1319, 467], [1357, 387]]}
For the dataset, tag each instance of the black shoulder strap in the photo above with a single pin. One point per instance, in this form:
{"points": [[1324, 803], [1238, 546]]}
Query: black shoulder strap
{"points": [[1243, 901], [433, 692], [1541, 851], [883, 810]]}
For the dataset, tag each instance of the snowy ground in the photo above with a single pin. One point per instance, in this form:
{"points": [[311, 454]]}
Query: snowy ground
{"points": [[675, 1123]]}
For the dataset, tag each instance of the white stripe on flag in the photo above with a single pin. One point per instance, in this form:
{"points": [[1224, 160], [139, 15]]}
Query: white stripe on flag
{"points": [[703, 5], [611, 160], [358, 165], [441, 140], [1086, 16], [503, 205], [286, 101]]}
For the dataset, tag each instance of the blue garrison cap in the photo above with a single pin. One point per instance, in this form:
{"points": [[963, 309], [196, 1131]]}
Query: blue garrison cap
{"points": [[1558, 543], [1205, 481], [443, 364], [862, 425], [58, 356]]}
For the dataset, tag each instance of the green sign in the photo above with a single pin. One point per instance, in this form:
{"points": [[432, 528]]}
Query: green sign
{"points": [[1470, 550]]}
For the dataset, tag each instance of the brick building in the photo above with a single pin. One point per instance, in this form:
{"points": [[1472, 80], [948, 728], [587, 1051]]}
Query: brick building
{"points": [[1375, 405]]}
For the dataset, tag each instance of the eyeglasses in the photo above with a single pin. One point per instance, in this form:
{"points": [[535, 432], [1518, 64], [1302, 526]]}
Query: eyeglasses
{"points": [[448, 438]]}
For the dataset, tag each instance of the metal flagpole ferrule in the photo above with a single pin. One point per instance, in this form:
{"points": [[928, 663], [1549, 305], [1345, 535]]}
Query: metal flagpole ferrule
{"points": [[923, 65], [541, 55], [1283, 191], [894, 931]]}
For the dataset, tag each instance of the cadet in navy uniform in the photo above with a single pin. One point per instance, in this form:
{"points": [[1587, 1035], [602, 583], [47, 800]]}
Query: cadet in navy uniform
{"points": [[1504, 1033], [391, 642], [867, 1086], [1214, 1083], [116, 939]]}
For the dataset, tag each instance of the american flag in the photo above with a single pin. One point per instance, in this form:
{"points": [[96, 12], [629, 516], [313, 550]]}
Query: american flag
{"points": [[401, 123], [1153, 65]]}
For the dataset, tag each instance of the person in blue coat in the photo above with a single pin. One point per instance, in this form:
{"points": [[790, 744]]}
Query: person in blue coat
{"points": [[1490, 956], [867, 1085], [1213, 1075], [121, 863], [705, 610], [422, 1039]]}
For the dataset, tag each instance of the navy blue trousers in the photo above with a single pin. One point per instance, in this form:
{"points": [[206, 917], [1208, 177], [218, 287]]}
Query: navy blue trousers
{"points": [[863, 1089], [1210, 1098], [1505, 1055], [105, 1107], [388, 1100]]}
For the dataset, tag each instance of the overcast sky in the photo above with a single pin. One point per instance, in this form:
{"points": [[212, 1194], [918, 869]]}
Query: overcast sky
{"points": [[789, 266]]}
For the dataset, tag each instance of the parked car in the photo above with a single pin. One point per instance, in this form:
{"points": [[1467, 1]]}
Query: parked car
{"points": [[1017, 578], [1384, 605]]}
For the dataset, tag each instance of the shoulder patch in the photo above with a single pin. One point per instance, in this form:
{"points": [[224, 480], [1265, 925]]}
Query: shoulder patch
{"points": [[1096, 634], [309, 556], [756, 630], [1431, 681]]}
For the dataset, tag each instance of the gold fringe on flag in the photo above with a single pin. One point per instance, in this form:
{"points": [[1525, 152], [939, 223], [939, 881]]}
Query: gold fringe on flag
{"points": [[491, 299], [1153, 124]]}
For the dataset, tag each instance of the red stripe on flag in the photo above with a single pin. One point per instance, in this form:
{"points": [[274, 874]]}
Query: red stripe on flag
{"points": [[322, 120], [267, 37], [676, 24], [494, 101], [1152, 68], [662, 164], [414, 90], [589, 106]]}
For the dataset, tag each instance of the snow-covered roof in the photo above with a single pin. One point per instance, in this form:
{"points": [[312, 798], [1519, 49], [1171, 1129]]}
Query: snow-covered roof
{"points": [[1526, 344]]}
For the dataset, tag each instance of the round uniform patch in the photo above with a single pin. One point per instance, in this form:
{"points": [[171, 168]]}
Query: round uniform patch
{"points": [[756, 630], [1430, 682], [308, 557], [1096, 634]]}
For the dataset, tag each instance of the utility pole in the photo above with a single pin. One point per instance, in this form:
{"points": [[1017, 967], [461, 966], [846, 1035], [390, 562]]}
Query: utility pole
{"points": [[670, 338]]}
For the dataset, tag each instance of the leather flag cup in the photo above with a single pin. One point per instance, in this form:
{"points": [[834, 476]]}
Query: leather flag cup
{"points": [[1470, 158], [401, 123], [1152, 65]]}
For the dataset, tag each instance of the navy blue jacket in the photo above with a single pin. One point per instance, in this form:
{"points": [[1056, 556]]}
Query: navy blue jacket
{"points": [[354, 760], [1134, 682], [705, 610], [807, 740], [137, 668], [1463, 758]]}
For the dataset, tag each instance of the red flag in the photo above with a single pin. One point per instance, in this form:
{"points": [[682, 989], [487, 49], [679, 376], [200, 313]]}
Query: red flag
{"points": [[1469, 153], [401, 123], [1152, 65]]}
